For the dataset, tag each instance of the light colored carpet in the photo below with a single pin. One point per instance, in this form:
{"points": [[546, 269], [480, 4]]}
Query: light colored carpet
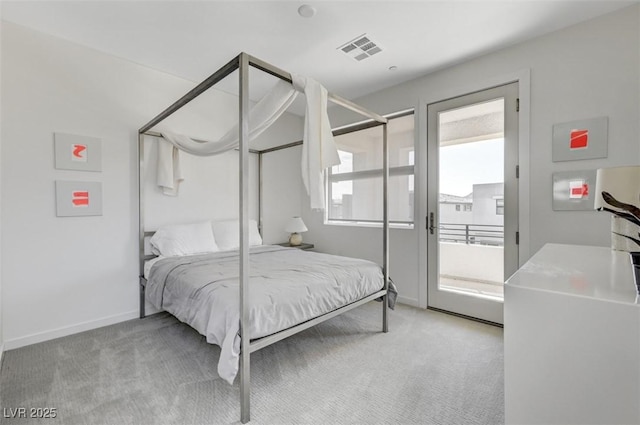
{"points": [[431, 368]]}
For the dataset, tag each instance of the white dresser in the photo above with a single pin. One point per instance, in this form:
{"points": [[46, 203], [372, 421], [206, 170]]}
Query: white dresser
{"points": [[572, 338]]}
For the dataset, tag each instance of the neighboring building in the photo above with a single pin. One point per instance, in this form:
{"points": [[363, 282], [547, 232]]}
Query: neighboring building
{"points": [[475, 218], [456, 209], [488, 203]]}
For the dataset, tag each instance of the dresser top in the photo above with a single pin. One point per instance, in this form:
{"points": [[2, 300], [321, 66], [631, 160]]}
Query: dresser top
{"points": [[589, 271]]}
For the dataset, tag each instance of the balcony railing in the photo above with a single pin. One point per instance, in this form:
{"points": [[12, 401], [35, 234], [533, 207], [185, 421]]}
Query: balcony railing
{"points": [[472, 234]]}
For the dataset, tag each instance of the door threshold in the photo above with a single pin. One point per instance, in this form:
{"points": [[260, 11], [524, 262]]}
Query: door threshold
{"points": [[464, 316]]}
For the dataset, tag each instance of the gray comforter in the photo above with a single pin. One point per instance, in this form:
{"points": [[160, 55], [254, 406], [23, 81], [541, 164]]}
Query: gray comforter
{"points": [[287, 286]]}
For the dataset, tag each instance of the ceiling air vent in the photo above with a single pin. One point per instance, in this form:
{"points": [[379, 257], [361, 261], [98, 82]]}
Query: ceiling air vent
{"points": [[360, 48]]}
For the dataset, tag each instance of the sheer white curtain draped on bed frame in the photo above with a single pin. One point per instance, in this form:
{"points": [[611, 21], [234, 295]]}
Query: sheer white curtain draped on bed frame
{"points": [[319, 150]]}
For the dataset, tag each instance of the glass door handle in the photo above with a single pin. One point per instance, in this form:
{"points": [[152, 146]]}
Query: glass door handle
{"points": [[431, 221]]}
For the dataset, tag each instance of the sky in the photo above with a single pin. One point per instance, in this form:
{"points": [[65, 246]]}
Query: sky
{"points": [[464, 164]]}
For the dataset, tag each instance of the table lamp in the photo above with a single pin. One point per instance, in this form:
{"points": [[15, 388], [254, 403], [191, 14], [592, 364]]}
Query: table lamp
{"points": [[295, 227], [623, 184]]}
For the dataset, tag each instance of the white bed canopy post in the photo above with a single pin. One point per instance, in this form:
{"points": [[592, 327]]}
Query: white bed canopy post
{"points": [[245, 338]]}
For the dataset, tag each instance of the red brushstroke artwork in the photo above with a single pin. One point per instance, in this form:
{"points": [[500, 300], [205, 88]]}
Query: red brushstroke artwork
{"points": [[578, 190], [579, 139], [80, 198], [79, 152]]}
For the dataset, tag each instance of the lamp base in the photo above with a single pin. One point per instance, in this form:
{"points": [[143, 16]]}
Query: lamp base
{"points": [[295, 239], [635, 264], [623, 227]]}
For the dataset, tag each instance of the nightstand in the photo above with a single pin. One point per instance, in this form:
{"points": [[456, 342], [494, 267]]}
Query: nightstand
{"points": [[303, 245]]}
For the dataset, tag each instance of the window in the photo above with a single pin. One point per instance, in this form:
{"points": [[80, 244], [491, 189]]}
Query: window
{"points": [[457, 207], [499, 206], [354, 187], [467, 207]]}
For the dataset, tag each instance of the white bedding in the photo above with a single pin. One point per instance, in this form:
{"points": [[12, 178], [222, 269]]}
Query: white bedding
{"points": [[287, 286], [148, 264]]}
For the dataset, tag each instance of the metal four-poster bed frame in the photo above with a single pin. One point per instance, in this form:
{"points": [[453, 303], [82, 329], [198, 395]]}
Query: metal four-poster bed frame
{"points": [[242, 62]]}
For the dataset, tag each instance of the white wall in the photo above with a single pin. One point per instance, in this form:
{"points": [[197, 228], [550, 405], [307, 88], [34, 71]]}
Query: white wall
{"points": [[281, 192], [474, 262], [585, 71], [209, 191], [64, 275]]}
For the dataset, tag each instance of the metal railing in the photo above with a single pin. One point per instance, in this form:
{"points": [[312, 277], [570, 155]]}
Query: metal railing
{"points": [[478, 234]]}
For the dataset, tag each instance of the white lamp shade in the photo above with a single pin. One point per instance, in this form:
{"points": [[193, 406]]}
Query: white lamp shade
{"points": [[623, 183], [296, 225]]}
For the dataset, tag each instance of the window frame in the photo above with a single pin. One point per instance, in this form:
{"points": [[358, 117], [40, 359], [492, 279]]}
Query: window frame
{"points": [[403, 170], [499, 206]]}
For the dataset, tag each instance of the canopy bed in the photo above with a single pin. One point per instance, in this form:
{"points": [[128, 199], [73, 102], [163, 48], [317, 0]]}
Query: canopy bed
{"points": [[340, 284]]}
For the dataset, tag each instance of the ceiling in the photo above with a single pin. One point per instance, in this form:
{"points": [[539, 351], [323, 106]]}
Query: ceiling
{"points": [[191, 39]]}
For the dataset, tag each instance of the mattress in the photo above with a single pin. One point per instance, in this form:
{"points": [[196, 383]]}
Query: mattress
{"points": [[287, 286]]}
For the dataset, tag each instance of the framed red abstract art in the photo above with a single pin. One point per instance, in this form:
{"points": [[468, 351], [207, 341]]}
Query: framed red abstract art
{"points": [[574, 190], [584, 139], [76, 198]]}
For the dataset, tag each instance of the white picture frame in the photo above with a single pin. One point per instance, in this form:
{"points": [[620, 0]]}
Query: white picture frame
{"points": [[583, 139], [574, 190], [78, 198]]}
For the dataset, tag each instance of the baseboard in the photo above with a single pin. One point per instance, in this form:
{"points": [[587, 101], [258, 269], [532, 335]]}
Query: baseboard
{"points": [[408, 301], [464, 316], [12, 344]]}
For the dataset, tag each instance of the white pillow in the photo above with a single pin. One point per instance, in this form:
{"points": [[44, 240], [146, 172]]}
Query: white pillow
{"points": [[227, 234], [184, 239]]}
